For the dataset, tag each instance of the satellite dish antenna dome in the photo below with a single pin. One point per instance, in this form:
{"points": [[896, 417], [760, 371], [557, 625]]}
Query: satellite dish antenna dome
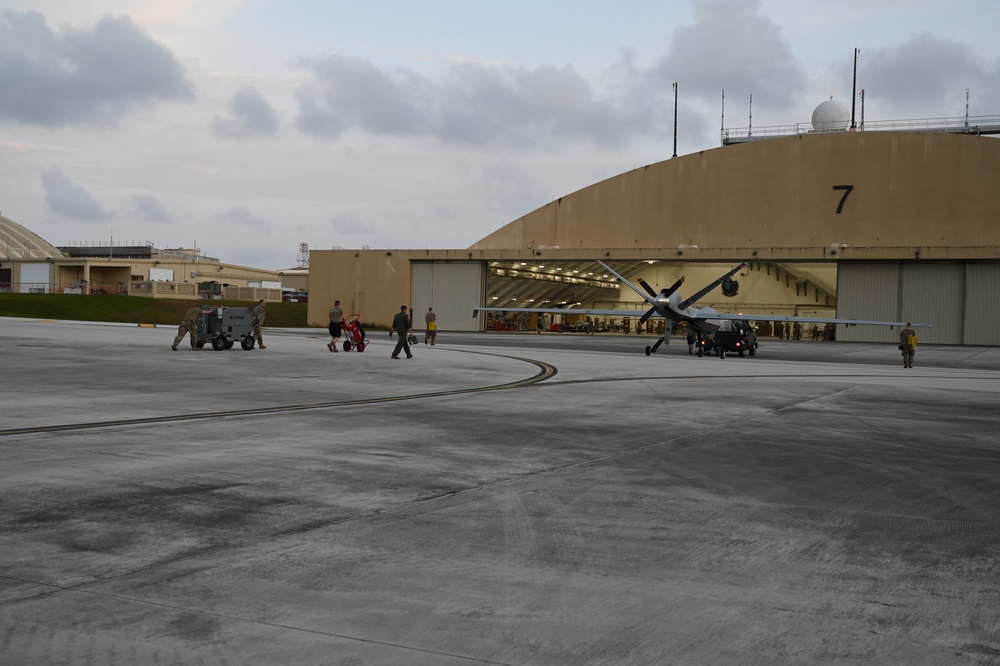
{"points": [[831, 116]]}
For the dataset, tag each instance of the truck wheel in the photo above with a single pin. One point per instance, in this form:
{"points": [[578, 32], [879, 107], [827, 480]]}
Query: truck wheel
{"points": [[229, 344], [348, 346], [740, 352], [362, 345], [247, 343], [219, 343], [722, 353]]}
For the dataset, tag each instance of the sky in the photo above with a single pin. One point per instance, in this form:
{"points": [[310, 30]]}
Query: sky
{"points": [[246, 127]]}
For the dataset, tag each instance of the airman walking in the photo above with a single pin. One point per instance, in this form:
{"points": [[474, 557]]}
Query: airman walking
{"points": [[908, 344], [257, 321], [431, 333]]}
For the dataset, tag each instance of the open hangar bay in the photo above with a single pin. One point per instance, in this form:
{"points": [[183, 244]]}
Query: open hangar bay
{"points": [[502, 499], [894, 224]]}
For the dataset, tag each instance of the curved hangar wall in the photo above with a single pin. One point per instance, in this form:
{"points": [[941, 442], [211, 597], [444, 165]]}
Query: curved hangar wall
{"points": [[881, 194], [910, 218]]}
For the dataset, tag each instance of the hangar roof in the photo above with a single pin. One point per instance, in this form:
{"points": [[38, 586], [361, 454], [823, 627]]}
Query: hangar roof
{"points": [[832, 196], [16, 242]]}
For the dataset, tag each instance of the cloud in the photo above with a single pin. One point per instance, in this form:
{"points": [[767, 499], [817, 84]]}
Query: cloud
{"points": [[927, 76], [513, 188], [520, 106], [239, 218], [151, 210], [65, 197], [729, 46], [350, 224], [350, 92], [473, 104], [90, 76], [250, 116]]}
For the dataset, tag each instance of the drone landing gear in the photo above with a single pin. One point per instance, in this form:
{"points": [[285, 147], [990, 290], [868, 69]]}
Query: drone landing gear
{"points": [[656, 345]]}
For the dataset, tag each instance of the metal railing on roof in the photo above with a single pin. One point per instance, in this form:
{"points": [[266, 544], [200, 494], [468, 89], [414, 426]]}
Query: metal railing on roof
{"points": [[962, 125], [121, 247]]}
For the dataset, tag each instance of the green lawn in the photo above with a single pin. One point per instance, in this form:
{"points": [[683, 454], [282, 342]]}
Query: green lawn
{"points": [[132, 309]]}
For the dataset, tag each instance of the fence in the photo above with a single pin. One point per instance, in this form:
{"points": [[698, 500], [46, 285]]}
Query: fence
{"points": [[146, 289], [75, 287], [251, 293], [156, 289]]}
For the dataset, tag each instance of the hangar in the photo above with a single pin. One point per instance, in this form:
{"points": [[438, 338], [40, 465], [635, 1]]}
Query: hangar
{"points": [[30, 264], [897, 224]]}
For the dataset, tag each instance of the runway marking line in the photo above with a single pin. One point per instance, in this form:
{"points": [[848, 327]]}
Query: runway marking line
{"points": [[546, 371]]}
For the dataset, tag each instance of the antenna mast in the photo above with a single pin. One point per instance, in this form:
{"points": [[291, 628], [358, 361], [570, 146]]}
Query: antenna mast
{"points": [[675, 119], [854, 86], [723, 127], [862, 94]]}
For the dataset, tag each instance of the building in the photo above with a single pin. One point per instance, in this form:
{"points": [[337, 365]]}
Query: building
{"points": [[29, 264], [898, 224]]}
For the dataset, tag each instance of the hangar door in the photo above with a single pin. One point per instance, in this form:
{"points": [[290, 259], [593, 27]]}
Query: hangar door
{"points": [[982, 308], [34, 279], [958, 300], [452, 288]]}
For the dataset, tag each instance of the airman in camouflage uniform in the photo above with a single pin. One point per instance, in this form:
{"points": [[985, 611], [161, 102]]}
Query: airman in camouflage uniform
{"points": [[257, 321], [190, 325], [908, 344]]}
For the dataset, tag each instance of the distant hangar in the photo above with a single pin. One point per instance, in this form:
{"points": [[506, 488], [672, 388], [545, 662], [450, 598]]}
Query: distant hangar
{"points": [[864, 224], [30, 264]]}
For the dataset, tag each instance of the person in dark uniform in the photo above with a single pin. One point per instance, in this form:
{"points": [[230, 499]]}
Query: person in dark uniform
{"points": [[190, 325], [403, 328]]}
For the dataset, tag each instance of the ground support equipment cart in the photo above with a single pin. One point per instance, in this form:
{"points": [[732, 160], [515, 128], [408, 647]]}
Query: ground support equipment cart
{"points": [[224, 327]]}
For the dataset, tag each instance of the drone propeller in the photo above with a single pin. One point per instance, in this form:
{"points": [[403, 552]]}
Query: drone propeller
{"points": [[675, 287], [648, 289], [664, 293], [710, 287]]}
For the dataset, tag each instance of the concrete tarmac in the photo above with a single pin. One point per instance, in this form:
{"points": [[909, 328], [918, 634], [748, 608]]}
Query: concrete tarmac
{"points": [[498, 499]]}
